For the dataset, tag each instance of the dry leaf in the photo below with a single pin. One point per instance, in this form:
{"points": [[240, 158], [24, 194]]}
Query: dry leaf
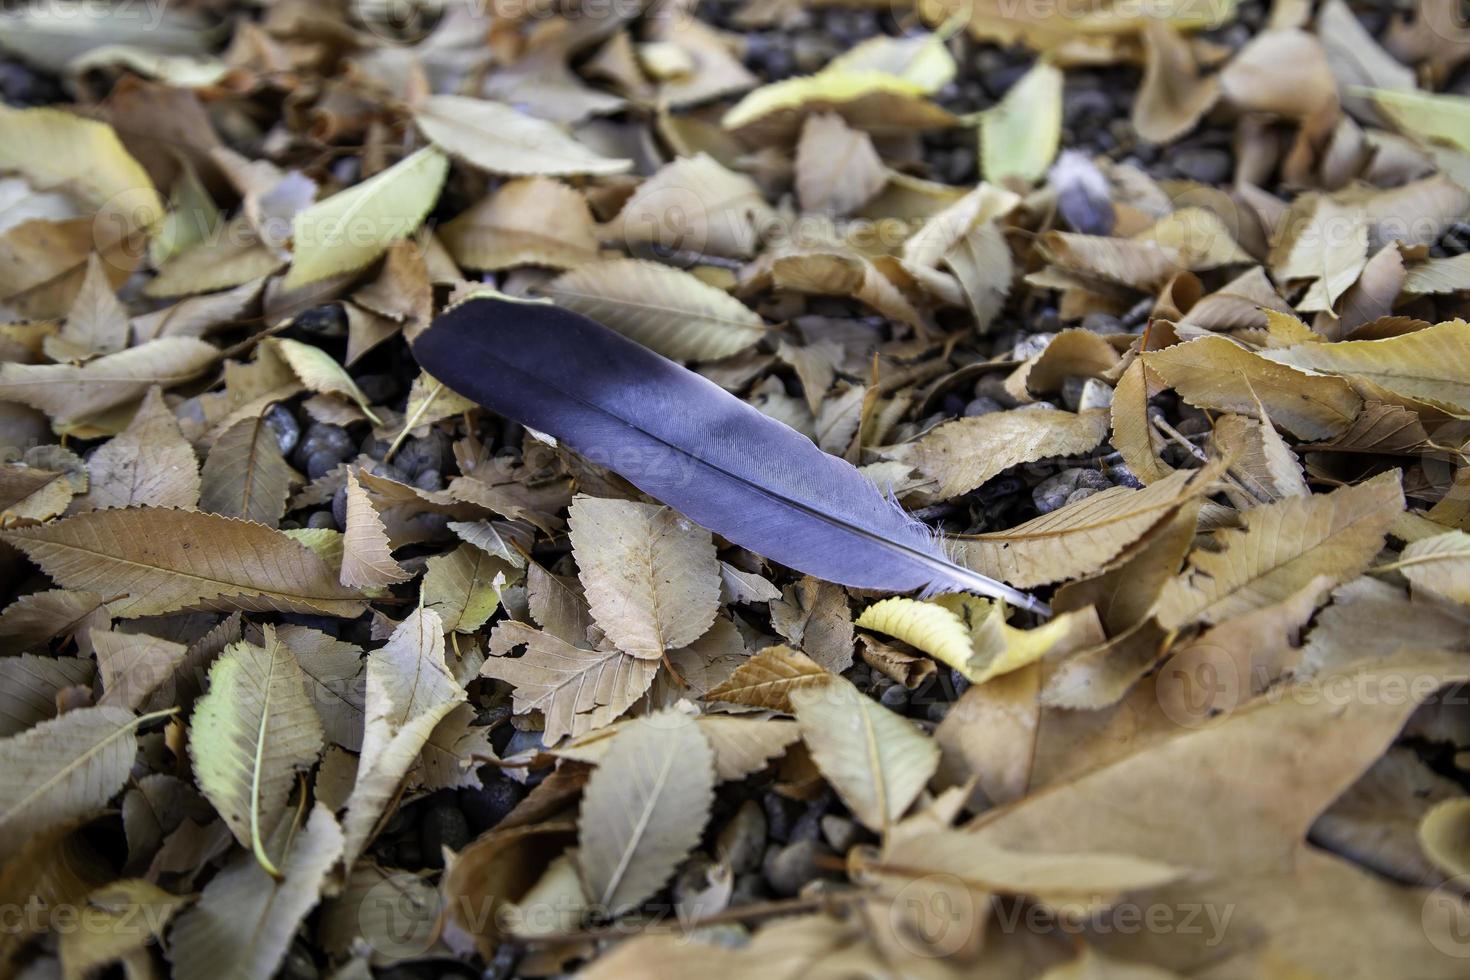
{"points": [[651, 578], [663, 308], [245, 917], [71, 394], [495, 137], [245, 475], [148, 464], [768, 678], [837, 168], [367, 559], [962, 455], [644, 809], [1430, 364], [876, 761], [161, 561], [63, 769], [1217, 374], [576, 690], [1280, 548], [535, 221]]}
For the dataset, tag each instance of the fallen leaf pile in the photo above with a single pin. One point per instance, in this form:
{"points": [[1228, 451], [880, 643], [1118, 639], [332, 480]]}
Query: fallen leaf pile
{"points": [[309, 667]]}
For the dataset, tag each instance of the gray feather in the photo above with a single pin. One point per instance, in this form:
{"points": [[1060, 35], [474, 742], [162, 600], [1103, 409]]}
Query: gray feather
{"points": [[687, 442]]}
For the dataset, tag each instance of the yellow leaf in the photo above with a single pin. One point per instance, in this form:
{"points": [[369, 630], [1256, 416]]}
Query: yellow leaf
{"points": [[971, 634], [869, 100], [1444, 834], [249, 737], [927, 626], [56, 149], [1020, 135], [320, 372], [351, 228], [1428, 116]]}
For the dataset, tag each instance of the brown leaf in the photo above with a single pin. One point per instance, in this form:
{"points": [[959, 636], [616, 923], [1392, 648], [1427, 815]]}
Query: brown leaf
{"points": [[148, 464], [162, 561], [245, 475], [367, 559], [768, 678]]}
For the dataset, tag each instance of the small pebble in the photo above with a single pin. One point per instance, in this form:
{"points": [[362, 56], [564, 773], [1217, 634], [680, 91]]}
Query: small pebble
{"points": [[331, 440], [442, 825], [742, 841], [322, 519], [285, 426], [487, 806], [894, 697], [993, 386], [339, 508], [320, 464], [1032, 345], [840, 833], [1103, 323], [780, 815], [1053, 492], [790, 868], [1203, 164], [322, 321], [983, 405]]}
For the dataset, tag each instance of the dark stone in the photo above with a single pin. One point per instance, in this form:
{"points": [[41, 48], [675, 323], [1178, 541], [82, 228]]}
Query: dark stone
{"points": [[377, 388], [1203, 164], [339, 507], [790, 868], [322, 519], [321, 463], [895, 697], [742, 840], [429, 480], [487, 806], [284, 424], [780, 815], [329, 440], [322, 321], [442, 825], [1053, 492], [983, 405]]}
